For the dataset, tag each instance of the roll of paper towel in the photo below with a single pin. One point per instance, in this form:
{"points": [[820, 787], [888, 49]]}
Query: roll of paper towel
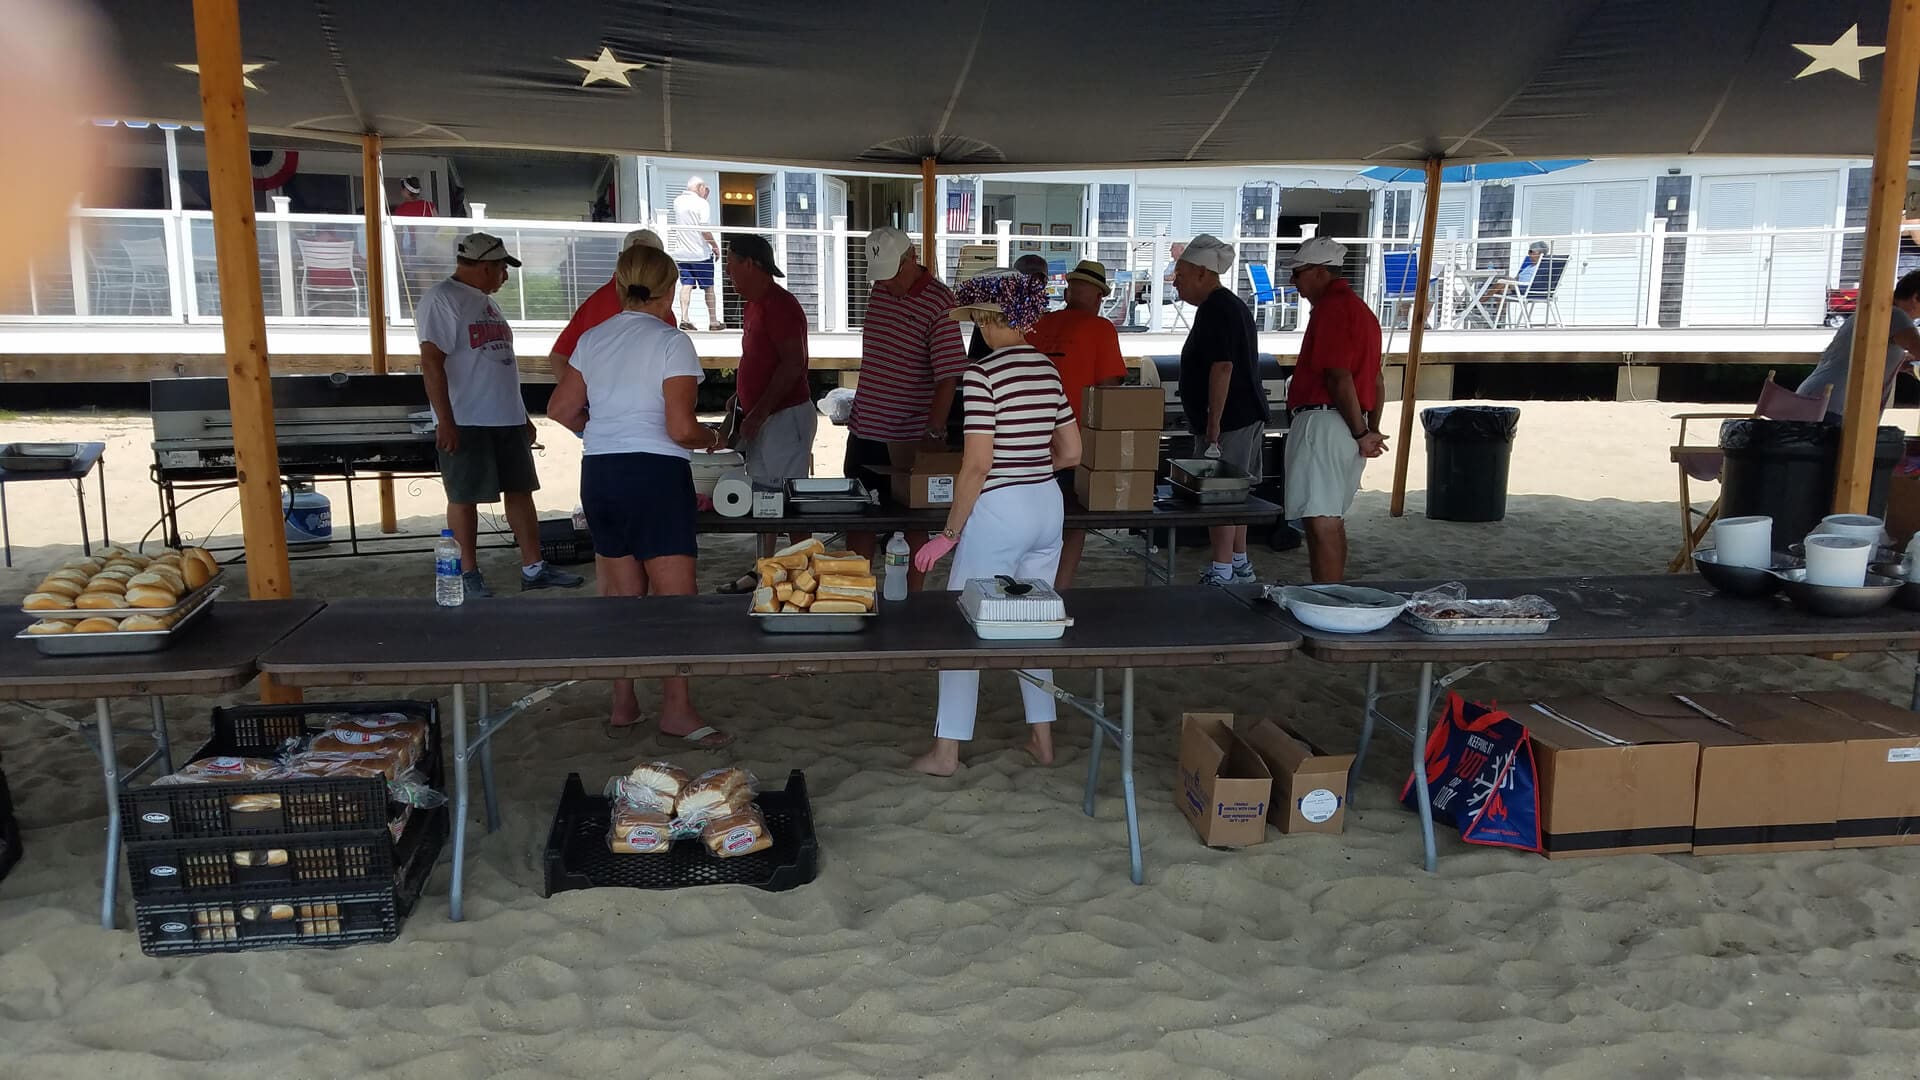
{"points": [[733, 494]]}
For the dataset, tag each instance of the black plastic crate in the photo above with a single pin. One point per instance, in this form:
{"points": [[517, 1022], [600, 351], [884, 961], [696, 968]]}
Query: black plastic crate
{"points": [[261, 730], [563, 544], [175, 870], [298, 917], [9, 830], [577, 855]]}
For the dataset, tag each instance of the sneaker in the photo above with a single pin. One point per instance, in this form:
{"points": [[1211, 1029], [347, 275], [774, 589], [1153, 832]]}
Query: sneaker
{"points": [[549, 578], [1208, 577], [1245, 575], [476, 585]]}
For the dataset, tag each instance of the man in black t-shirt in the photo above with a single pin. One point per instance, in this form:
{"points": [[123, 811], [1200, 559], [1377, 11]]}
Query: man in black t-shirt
{"points": [[1220, 387]]}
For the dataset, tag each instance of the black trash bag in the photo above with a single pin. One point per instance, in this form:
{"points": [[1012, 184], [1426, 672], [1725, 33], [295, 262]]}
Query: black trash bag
{"points": [[1471, 423], [1761, 434]]}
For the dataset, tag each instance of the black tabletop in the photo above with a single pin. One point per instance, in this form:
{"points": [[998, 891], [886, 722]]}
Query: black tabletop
{"points": [[1165, 514], [1620, 617], [216, 655], [80, 466], [391, 642]]}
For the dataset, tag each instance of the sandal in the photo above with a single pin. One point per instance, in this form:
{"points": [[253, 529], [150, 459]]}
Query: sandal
{"points": [[618, 731], [745, 583], [684, 325], [697, 738]]}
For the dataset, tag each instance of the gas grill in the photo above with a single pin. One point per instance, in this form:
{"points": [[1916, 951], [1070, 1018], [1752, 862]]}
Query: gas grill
{"points": [[338, 426], [1164, 372]]}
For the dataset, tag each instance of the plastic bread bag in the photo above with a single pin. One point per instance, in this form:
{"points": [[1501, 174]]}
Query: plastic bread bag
{"points": [[1450, 601], [729, 789], [633, 831], [653, 785], [364, 728], [387, 761], [733, 835], [222, 769], [400, 745], [837, 404], [411, 789]]}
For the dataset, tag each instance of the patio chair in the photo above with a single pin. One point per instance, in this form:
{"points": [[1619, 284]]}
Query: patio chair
{"points": [[147, 262], [1536, 293], [1117, 308], [1401, 271], [327, 270], [1265, 295], [1700, 461]]}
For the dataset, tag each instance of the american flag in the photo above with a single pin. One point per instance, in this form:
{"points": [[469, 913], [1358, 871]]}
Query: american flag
{"points": [[959, 211]]}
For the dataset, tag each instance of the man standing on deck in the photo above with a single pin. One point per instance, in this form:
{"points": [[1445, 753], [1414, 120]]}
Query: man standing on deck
{"points": [[1335, 398], [695, 249], [911, 357], [1220, 387], [481, 425], [1085, 348], [1903, 342]]}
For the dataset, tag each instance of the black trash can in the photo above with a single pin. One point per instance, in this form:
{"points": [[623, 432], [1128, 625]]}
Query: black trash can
{"points": [[1785, 470], [1468, 450]]}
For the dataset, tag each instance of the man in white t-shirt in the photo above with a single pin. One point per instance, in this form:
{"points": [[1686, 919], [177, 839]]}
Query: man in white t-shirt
{"points": [[694, 248], [481, 425]]}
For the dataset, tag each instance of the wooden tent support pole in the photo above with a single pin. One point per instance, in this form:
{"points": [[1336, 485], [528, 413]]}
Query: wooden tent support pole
{"points": [[243, 322], [929, 187], [374, 192], [1893, 138], [1416, 336]]}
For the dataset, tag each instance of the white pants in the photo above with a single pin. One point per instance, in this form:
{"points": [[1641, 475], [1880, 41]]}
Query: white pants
{"points": [[1013, 531]]}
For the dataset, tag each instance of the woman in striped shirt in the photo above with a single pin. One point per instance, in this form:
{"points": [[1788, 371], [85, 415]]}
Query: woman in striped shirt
{"points": [[1006, 515]]}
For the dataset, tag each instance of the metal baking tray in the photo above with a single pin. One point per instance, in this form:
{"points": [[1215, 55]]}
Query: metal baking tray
{"points": [[828, 495], [1208, 497], [1208, 475], [121, 642], [38, 457], [1470, 627], [805, 622], [192, 597]]}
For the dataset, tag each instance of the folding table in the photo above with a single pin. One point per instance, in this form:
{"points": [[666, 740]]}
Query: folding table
{"points": [[91, 455], [394, 642]]}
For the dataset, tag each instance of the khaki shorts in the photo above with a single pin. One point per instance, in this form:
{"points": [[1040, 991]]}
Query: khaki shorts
{"points": [[1323, 465], [783, 448], [491, 461]]}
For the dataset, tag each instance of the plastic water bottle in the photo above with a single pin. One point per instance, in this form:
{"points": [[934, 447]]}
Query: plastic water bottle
{"points": [[898, 555], [448, 589]]}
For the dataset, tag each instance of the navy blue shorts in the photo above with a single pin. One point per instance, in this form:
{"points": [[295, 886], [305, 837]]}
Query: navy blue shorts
{"points": [[697, 274], [639, 505]]}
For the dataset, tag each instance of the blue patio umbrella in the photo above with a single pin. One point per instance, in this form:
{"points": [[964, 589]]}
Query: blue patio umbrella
{"points": [[1461, 174]]}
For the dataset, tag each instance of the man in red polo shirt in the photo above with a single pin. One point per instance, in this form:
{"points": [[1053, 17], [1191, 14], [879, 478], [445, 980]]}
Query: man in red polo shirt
{"points": [[1335, 398], [604, 304], [1085, 348]]}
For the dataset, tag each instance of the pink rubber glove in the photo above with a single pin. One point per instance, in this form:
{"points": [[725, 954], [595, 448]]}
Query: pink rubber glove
{"points": [[931, 552]]}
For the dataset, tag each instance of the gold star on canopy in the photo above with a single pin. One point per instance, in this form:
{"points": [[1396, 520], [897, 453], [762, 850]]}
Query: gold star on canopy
{"points": [[604, 68], [246, 73], [1843, 56]]}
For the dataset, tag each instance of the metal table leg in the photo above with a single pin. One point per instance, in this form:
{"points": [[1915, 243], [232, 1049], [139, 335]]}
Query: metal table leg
{"points": [[80, 500], [100, 479], [110, 772], [1366, 730], [488, 796], [1126, 776], [6, 527], [1173, 549], [456, 893], [162, 745], [1099, 741], [1424, 698]]}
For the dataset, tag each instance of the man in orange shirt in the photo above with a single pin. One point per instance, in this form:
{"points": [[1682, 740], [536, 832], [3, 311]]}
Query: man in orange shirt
{"points": [[1085, 347]]}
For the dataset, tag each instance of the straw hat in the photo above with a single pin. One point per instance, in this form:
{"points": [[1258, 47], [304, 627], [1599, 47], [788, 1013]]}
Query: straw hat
{"points": [[1093, 273]]}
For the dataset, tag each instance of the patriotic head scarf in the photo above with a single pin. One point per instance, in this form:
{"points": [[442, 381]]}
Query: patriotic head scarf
{"points": [[1016, 297]]}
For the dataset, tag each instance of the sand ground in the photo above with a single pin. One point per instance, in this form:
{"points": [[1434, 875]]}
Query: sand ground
{"points": [[981, 926]]}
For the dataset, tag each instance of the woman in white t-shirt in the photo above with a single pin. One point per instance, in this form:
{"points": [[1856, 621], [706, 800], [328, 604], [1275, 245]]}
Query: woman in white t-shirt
{"points": [[629, 390]]}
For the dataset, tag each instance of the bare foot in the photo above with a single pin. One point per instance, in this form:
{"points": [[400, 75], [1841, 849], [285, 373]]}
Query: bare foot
{"points": [[942, 760], [1040, 742], [626, 711]]}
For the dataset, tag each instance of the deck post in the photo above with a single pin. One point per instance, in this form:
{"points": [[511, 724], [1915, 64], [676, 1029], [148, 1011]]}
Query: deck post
{"points": [[374, 193], [929, 189]]}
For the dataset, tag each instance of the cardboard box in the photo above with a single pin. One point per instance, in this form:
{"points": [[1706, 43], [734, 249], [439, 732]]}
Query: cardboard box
{"points": [[1879, 771], [1903, 496], [1102, 490], [1118, 408], [1222, 786], [1132, 450], [927, 482], [1769, 773], [1612, 780], [1309, 787]]}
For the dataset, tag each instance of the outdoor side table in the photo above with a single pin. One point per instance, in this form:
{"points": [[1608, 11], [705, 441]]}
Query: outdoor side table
{"points": [[92, 455]]}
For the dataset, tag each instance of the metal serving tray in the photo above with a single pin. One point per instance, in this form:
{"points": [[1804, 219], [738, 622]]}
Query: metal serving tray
{"points": [[120, 642], [805, 622], [1209, 478], [1471, 627], [828, 495], [192, 598], [38, 457], [1207, 497]]}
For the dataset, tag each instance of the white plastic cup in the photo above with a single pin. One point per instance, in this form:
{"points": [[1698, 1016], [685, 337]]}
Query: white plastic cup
{"points": [[1837, 560], [1744, 541], [1859, 526]]}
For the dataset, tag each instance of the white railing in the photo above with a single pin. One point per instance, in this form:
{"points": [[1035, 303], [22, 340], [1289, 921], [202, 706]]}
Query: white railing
{"points": [[145, 267]]}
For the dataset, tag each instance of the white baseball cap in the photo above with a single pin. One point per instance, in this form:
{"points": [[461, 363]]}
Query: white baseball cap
{"points": [[1209, 253], [1319, 251], [642, 238], [486, 247], [886, 246]]}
